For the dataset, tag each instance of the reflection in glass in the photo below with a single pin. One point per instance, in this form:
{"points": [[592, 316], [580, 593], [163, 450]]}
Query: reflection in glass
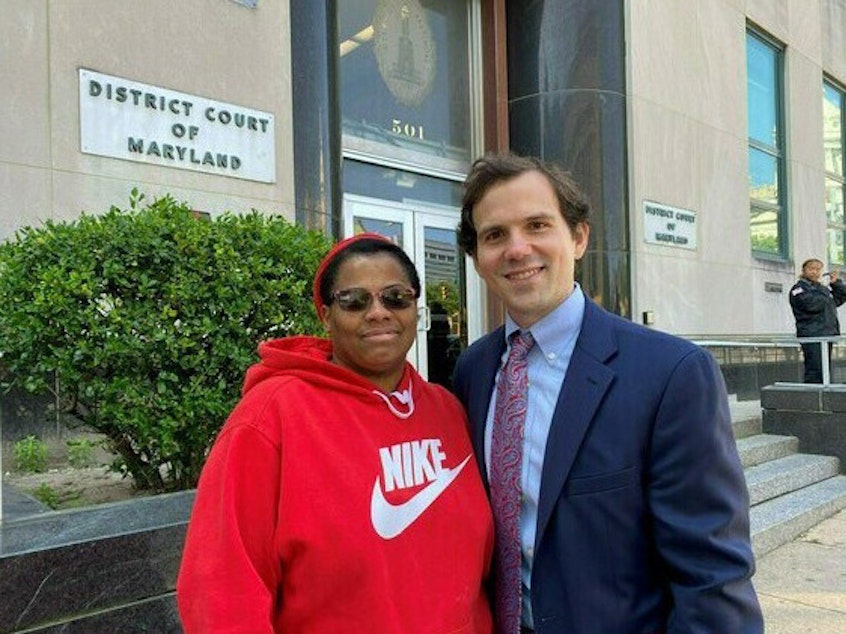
{"points": [[389, 229], [836, 220], [764, 230], [833, 129], [835, 184], [763, 177], [404, 80], [447, 336], [834, 201], [762, 90], [387, 183], [835, 247]]}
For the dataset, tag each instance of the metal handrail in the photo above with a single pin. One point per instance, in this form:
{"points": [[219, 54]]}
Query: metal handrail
{"points": [[716, 343], [782, 342]]}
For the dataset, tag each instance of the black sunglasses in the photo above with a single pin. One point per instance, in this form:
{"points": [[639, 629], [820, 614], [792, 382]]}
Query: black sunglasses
{"points": [[358, 299]]}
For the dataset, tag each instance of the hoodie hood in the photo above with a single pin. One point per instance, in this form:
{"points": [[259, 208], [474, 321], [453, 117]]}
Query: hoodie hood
{"points": [[308, 359]]}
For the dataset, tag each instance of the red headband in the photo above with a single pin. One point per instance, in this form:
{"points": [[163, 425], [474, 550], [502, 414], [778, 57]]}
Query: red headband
{"points": [[333, 253]]}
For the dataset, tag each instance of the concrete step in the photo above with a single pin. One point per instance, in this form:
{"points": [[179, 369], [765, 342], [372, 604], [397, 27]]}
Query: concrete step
{"points": [[789, 492], [760, 448], [782, 519], [747, 427], [783, 475], [745, 418]]}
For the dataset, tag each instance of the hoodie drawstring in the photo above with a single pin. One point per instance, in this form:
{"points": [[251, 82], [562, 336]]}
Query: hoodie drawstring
{"points": [[403, 397]]}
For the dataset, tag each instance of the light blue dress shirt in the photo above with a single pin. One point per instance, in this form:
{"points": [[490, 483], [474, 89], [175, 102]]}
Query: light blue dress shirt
{"points": [[555, 338]]}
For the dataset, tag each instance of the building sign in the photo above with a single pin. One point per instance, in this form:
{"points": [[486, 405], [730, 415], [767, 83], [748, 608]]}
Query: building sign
{"points": [[669, 226], [128, 120]]}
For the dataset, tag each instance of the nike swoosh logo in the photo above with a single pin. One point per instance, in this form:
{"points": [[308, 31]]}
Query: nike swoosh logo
{"points": [[390, 520]]}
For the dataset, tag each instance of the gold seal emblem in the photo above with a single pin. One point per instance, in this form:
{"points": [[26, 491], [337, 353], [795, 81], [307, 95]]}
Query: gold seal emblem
{"points": [[404, 49]]}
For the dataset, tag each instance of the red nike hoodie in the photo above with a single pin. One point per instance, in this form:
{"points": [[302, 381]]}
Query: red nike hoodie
{"points": [[327, 505]]}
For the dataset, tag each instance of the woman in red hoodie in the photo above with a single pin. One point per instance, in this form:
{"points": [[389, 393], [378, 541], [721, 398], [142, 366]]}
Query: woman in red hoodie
{"points": [[341, 494]]}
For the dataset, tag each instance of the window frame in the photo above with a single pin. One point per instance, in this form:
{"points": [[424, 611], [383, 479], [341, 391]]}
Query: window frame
{"points": [[840, 227], [778, 152]]}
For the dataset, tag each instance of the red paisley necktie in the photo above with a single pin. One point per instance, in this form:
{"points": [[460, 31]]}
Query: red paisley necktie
{"points": [[505, 468]]}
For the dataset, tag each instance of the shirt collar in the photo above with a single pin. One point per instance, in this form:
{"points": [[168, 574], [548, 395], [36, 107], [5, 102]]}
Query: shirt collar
{"points": [[558, 329]]}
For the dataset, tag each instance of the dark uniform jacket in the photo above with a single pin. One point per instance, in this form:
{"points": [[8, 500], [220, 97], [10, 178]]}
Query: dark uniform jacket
{"points": [[815, 307]]}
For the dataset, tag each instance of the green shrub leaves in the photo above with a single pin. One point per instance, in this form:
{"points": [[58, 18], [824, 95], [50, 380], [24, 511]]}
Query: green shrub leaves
{"points": [[148, 318]]}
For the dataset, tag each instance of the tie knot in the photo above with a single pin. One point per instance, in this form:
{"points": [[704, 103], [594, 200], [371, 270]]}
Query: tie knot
{"points": [[521, 343]]}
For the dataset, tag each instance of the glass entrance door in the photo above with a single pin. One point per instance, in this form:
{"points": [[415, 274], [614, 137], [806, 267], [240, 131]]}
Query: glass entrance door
{"points": [[427, 233]]}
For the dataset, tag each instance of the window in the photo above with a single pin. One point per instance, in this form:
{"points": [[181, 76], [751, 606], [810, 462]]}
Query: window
{"points": [[767, 195], [834, 111], [405, 70]]}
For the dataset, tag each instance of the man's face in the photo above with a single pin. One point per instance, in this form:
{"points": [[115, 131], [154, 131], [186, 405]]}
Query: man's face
{"points": [[812, 271], [525, 251]]}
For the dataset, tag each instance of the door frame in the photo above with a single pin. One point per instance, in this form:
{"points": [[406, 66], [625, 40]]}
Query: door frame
{"points": [[414, 216]]}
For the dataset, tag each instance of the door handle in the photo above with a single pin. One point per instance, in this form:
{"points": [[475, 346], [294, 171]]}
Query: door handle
{"points": [[424, 319]]}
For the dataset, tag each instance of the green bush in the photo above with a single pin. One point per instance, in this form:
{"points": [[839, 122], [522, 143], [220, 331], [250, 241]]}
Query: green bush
{"points": [[81, 452], [30, 455], [47, 495], [148, 318]]}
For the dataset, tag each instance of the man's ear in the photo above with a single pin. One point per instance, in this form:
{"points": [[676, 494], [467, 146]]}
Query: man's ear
{"points": [[325, 320], [581, 235]]}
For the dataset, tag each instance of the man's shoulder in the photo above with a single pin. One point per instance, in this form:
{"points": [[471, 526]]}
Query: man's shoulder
{"points": [[627, 327], [483, 344], [803, 287], [632, 339]]}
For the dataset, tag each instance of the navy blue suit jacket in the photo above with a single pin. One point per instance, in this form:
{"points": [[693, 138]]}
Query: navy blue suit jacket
{"points": [[643, 520]]}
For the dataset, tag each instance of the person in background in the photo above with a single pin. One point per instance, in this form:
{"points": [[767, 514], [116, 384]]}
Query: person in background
{"points": [[341, 494], [814, 306], [618, 495]]}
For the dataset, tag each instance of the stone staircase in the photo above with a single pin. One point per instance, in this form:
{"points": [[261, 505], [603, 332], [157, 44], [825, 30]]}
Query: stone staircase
{"points": [[789, 492]]}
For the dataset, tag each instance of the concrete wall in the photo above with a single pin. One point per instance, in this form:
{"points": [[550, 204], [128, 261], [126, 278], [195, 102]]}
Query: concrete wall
{"points": [[814, 414], [218, 49], [688, 149]]}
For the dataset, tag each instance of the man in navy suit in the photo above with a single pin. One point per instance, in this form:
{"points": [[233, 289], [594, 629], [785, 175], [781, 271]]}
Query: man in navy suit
{"points": [[634, 516]]}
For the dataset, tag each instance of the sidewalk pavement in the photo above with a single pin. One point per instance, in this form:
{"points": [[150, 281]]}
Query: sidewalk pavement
{"points": [[802, 584]]}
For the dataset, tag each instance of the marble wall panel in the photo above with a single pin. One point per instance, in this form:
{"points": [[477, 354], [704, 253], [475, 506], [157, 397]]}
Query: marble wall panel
{"points": [[804, 96], [158, 615], [805, 23], [771, 15], [25, 197], [64, 566], [833, 25], [806, 201], [722, 66], [24, 124], [662, 286], [723, 198], [665, 157], [94, 194], [666, 55], [605, 277], [240, 56], [583, 131], [316, 115], [684, 163], [104, 521], [552, 55]]}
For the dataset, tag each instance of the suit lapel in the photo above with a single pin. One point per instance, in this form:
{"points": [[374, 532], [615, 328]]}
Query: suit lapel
{"points": [[482, 386], [588, 379]]}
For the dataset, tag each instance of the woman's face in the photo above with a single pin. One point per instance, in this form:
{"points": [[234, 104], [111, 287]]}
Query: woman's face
{"points": [[372, 342]]}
